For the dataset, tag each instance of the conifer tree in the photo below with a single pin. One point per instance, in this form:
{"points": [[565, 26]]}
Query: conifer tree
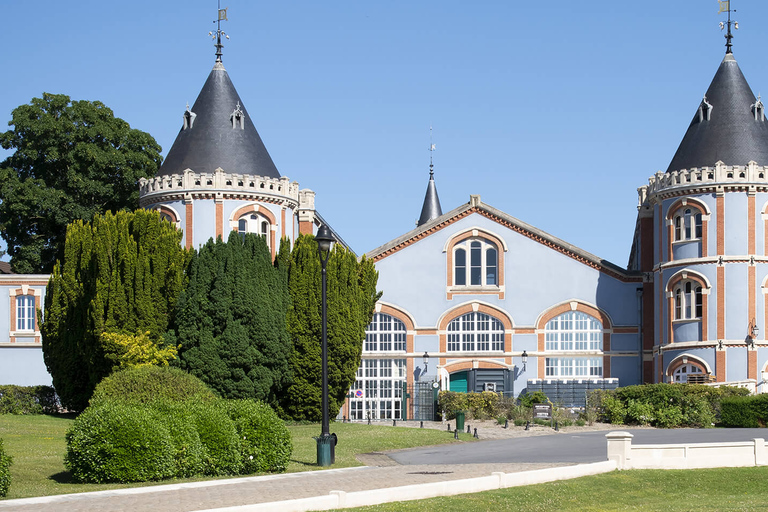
{"points": [[121, 273], [351, 299], [231, 320]]}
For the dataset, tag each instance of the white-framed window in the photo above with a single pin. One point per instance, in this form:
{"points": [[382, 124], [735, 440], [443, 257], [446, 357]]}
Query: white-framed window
{"points": [[475, 263], [687, 224], [384, 333], [475, 332], [254, 223], [573, 367], [680, 375], [25, 312], [689, 303], [378, 390], [573, 331]]}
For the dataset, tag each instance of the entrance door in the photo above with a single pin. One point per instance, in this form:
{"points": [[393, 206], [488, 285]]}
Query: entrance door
{"points": [[459, 382]]}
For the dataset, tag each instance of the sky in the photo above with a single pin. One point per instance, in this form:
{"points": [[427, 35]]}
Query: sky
{"points": [[554, 112]]}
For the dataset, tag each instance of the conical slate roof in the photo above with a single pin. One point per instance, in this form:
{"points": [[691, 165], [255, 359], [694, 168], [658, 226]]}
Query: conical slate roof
{"points": [[219, 133], [431, 209], [725, 127]]}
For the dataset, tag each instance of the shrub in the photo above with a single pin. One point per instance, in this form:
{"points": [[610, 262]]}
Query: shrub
{"points": [[144, 384], [641, 413], [28, 400], [483, 405], [744, 411], [669, 417], [519, 422], [450, 402], [221, 447], [188, 452], [537, 397], [614, 410], [5, 471], [118, 442], [265, 442]]}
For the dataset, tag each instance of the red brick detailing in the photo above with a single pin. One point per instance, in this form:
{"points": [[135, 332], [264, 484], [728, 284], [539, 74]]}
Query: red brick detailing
{"points": [[481, 308], [661, 230], [678, 362], [670, 238], [282, 222], [720, 202], [751, 291], [752, 364], [169, 212], [720, 365], [625, 330], [306, 228], [188, 222], [648, 320], [606, 367], [524, 331], [584, 308], [720, 300], [648, 373], [23, 282], [705, 316], [695, 277], [670, 319], [264, 212], [693, 204], [751, 224], [219, 219], [704, 237], [38, 307], [457, 366], [542, 368], [449, 261], [426, 332]]}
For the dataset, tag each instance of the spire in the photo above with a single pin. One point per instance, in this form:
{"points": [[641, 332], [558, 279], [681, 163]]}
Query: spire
{"points": [[725, 6], [217, 131], [217, 35], [729, 124], [431, 208]]}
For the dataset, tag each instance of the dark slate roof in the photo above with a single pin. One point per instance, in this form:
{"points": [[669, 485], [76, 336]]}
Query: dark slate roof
{"points": [[5, 268], [731, 135], [211, 142], [431, 209]]}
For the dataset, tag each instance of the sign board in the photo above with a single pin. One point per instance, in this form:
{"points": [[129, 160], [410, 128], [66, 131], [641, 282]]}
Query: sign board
{"points": [[542, 411], [359, 393]]}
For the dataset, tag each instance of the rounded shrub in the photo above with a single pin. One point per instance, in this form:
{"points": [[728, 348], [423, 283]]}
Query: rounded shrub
{"points": [[116, 442], [265, 442], [145, 384], [221, 446], [5, 471], [188, 450]]}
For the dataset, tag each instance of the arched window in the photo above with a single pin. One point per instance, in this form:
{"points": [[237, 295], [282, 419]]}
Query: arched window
{"points": [[384, 333], [689, 304], [680, 375], [570, 334], [687, 223], [254, 223], [476, 263], [475, 332]]}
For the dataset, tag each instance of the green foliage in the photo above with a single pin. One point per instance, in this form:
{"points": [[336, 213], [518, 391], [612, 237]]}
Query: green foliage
{"points": [[265, 443], [537, 397], [5, 471], [351, 299], [117, 442], [145, 384], [614, 409], [131, 350], [72, 161], [120, 273], [231, 322], [641, 413], [28, 400], [451, 402], [744, 411], [218, 435], [483, 405]]}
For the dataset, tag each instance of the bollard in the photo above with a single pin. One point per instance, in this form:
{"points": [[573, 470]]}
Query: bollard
{"points": [[343, 419], [449, 427], [456, 434], [394, 423], [506, 423], [421, 425], [475, 436], [527, 425], [369, 420], [556, 427], [469, 431]]}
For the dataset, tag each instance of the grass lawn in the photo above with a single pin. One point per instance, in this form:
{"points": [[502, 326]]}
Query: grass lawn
{"points": [[38, 447], [731, 489]]}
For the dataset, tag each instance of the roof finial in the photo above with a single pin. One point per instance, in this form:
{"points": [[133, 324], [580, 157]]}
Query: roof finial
{"points": [[431, 150], [725, 6], [216, 36]]}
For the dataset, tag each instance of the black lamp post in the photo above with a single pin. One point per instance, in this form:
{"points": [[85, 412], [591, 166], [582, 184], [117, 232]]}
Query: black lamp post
{"points": [[325, 241], [425, 360], [525, 359]]}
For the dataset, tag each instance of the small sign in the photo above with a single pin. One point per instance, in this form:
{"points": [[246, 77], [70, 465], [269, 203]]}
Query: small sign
{"points": [[359, 393], [542, 411]]}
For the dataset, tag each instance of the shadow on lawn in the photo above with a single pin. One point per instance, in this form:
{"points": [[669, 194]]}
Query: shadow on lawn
{"points": [[62, 477]]}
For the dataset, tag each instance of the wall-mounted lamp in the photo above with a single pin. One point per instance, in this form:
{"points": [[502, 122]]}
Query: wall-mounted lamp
{"points": [[525, 360], [753, 331], [425, 360]]}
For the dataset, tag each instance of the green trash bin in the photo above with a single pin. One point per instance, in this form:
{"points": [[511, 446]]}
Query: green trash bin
{"points": [[326, 450], [460, 420]]}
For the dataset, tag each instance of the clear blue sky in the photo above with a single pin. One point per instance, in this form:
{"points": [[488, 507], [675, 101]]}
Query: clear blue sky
{"points": [[554, 112]]}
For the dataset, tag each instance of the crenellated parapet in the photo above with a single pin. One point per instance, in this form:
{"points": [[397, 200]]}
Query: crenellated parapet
{"points": [[219, 184], [726, 178]]}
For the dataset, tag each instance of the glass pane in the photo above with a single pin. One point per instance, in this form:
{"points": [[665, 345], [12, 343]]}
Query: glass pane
{"points": [[490, 267], [461, 267]]}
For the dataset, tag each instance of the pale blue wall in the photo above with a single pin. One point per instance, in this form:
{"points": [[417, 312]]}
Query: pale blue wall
{"points": [[736, 223], [23, 366], [204, 219], [736, 307]]}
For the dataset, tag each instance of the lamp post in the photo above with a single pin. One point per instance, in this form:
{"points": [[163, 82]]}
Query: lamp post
{"points": [[325, 451], [525, 359], [425, 360]]}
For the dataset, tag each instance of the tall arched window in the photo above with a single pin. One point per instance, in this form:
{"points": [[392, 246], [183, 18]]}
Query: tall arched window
{"points": [[254, 223], [689, 304], [680, 375], [687, 223], [476, 263], [384, 333], [572, 335], [475, 332]]}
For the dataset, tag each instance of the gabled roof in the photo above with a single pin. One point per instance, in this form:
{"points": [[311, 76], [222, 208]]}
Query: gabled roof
{"points": [[431, 208], [725, 127], [477, 206], [218, 132]]}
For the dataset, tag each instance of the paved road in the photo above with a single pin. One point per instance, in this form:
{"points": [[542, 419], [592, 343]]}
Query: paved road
{"points": [[582, 447]]}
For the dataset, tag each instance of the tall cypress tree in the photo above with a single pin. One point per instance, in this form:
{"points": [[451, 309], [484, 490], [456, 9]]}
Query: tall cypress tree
{"points": [[231, 320], [121, 273], [351, 298]]}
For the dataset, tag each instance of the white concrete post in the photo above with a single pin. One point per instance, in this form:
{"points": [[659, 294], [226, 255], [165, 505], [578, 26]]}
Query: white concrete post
{"points": [[760, 455], [619, 447]]}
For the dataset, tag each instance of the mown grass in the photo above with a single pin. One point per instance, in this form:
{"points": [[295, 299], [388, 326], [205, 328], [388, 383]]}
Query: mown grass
{"points": [[38, 446], [726, 489]]}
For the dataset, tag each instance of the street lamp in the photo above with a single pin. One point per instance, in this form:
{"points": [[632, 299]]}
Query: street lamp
{"points": [[324, 240], [525, 359], [425, 360]]}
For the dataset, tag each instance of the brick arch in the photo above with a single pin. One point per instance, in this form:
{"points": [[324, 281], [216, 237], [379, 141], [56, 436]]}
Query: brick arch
{"points": [[459, 366], [476, 307], [460, 237], [674, 208], [706, 286], [691, 202], [170, 212], [264, 212], [682, 359]]}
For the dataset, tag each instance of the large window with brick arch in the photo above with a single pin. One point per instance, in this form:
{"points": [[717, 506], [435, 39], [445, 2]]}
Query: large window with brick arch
{"points": [[475, 332], [385, 333], [689, 303], [378, 390], [476, 263], [572, 335], [687, 224], [254, 223]]}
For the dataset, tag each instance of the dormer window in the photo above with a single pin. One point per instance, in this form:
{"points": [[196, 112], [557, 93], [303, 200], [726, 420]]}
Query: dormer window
{"points": [[758, 109], [189, 118], [705, 110], [237, 118]]}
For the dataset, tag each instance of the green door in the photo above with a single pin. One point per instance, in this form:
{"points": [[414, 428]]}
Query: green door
{"points": [[459, 382]]}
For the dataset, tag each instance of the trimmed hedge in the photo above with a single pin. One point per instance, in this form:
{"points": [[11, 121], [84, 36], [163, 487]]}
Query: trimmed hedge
{"points": [[5, 471], [150, 383], [744, 411], [28, 400], [114, 441]]}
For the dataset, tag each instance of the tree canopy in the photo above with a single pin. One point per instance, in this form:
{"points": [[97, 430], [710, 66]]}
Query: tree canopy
{"points": [[231, 320], [121, 273], [72, 160]]}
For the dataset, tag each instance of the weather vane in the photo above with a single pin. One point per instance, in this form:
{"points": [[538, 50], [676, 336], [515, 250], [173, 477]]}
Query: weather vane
{"points": [[431, 150], [725, 6], [216, 36]]}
